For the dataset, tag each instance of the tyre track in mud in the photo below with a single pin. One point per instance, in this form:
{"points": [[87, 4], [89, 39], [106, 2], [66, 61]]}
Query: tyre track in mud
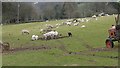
{"points": [[67, 53], [30, 48], [90, 49]]}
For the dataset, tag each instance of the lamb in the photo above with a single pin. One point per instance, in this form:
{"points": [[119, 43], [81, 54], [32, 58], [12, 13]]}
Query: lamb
{"points": [[82, 20], [46, 36], [56, 34], [101, 14], [37, 37], [83, 26], [41, 30], [107, 15], [86, 19], [69, 23], [76, 24], [47, 20], [94, 16], [25, 31], [49, 26], [57, 24], [34, 37]]}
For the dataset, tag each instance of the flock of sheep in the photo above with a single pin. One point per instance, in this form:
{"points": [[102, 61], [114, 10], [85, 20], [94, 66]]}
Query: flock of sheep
{"points": [[48, 33]]}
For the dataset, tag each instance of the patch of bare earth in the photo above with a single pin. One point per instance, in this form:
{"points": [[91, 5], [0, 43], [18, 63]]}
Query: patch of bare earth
{"points": [[13, 50]]}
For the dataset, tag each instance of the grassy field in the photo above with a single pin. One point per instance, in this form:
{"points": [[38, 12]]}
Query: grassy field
{"points": [[72, 51]]}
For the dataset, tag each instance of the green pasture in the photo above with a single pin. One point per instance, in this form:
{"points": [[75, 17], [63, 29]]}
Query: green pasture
{"points": [[93, 35]]}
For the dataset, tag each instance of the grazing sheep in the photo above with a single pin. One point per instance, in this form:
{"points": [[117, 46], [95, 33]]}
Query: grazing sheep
{"points": [[47, 20], [34, 37], [94, 16], [41, 30], [50, 35], [101, 14], [76, 24], [46, 36], [75, 20], [83, 26], [57, 24], [25, 31], [68, 23], [49, 26], [79, 20], [82, 20], [56, 34], [57, 27], [107, 15], [86, 20]]}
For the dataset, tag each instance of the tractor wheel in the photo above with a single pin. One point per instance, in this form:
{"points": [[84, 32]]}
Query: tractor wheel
{"points": [[109, 43]]}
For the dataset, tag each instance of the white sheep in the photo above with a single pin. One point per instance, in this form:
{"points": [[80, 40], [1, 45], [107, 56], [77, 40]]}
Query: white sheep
{"points": [[107, 15], [86, 20], [34, 37], [50, 26], [79, 19], [51, 34], [41, 30], [46, 35], [76, 24], [69, 23], [94, 16], [56, 34], [57, 27], [47, 20], [75, 21], [25, 31], [82, 20], [83, 26]]}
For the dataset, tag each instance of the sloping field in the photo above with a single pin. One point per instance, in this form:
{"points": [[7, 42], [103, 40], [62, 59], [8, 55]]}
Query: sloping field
{"points": [[85, 48]]}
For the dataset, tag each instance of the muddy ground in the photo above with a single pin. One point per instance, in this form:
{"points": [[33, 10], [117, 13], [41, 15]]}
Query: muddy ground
{"points": [[67, 53]]}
